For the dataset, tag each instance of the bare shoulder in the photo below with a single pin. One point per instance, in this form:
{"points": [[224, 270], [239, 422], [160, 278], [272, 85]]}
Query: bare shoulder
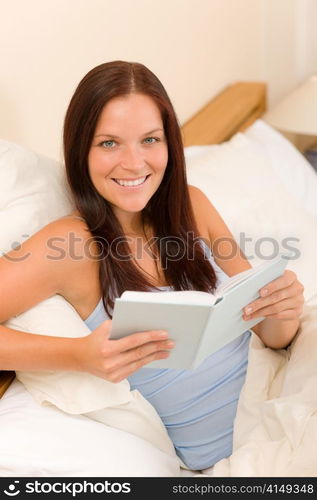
{"points": [[71, 248], [206, 215], [46, 264], [216, 233], [69, 234]]}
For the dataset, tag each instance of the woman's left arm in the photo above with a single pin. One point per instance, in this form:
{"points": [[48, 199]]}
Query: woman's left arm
{"points": [[280, 302]]}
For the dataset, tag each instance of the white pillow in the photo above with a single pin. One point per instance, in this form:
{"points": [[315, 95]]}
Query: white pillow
{"points": [[44, 441], [32, 193], [292, 168], [239, 180]]}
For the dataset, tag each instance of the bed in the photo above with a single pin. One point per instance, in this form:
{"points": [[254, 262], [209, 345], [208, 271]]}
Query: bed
{"points": [[267, 193]]}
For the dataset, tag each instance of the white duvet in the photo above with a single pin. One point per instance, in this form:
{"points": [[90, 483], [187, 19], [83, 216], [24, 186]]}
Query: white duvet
{"points": [[274, 435], [276, 425]]}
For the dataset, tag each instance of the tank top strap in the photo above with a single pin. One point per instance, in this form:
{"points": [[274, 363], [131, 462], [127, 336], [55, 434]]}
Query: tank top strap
{"points": [[221, 275]]}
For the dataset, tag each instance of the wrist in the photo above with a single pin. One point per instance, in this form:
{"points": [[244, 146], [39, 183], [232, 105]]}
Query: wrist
{"points": [[276, 333], [79, 354]]}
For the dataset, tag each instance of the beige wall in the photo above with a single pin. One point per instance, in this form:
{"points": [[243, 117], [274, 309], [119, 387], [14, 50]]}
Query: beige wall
{"points": [[196, 47], [289, 44]]}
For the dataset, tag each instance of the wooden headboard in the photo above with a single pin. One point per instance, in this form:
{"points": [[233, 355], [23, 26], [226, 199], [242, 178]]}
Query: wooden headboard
{"points": [[5, 380], [231, 111]]}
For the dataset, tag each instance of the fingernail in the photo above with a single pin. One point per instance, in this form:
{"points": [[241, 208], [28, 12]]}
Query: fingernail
{"points": [[248, 310], [170, 343], [163, 334], [264, 292]]}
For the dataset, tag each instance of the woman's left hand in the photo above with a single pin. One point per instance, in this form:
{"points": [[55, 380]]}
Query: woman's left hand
{"points": [[281, 299]]}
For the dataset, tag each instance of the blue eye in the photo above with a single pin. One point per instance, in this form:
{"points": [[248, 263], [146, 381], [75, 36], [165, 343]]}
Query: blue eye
{"points": [[107, 144], [151, 140]]}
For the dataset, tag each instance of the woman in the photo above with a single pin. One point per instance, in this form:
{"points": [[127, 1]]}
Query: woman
{"points": [[125, 167]]}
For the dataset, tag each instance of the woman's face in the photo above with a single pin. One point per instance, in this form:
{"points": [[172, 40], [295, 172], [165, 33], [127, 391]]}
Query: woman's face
{"points": [[128, 155]]}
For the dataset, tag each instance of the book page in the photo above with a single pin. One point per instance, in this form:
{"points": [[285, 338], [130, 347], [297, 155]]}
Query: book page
{"points": [[186, 297], [244, 275], [225, 322], [234, 280]]}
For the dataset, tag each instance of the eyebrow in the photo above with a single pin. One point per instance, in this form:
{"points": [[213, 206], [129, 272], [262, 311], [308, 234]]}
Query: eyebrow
{"points": [[117, 137]]}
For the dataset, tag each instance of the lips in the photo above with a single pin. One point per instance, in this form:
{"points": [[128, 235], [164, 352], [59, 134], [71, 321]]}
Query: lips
{"points": [[131, 183]]}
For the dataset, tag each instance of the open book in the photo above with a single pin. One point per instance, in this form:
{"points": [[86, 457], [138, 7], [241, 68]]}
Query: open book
{"points": [[199, 322]]}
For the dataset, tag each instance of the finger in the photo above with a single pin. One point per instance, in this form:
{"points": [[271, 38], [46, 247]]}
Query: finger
{"points": [[273, 309], [284, 281], [138, 339], [141, 352], [288, 314], [279, 295], [127, 370], [105, 327]]}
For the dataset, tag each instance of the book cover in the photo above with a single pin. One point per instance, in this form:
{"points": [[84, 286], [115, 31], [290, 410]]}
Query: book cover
{"points": [[200, 323]]}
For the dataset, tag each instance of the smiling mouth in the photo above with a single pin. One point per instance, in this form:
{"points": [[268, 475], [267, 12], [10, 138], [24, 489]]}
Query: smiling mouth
{"points": [[131, 183]]}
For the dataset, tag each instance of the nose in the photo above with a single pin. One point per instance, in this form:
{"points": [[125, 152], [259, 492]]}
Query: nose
{"points": [[132, 159]]}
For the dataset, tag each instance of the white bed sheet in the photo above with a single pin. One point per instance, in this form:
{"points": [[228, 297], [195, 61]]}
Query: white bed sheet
{"points": [[44, 441], [276, 424]]}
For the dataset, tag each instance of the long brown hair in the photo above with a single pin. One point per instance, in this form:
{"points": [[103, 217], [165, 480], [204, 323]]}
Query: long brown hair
{"points": [[168, 212]]}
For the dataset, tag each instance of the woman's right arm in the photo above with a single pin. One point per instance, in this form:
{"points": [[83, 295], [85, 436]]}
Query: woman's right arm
{"points": [[113, 360], [22, 351], [27, 277]]}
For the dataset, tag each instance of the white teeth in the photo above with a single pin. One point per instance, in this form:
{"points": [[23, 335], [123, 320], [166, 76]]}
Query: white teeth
{"points": [[130, 183]]}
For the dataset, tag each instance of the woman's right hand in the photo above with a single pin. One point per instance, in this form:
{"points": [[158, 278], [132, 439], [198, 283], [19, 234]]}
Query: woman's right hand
{"points": [[115, 360]]}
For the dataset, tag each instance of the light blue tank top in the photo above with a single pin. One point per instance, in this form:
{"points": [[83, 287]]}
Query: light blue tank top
{"points": [[198, 406]]}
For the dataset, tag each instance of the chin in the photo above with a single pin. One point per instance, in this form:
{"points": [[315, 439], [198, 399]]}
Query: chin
{"points": [[133, 209]]}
